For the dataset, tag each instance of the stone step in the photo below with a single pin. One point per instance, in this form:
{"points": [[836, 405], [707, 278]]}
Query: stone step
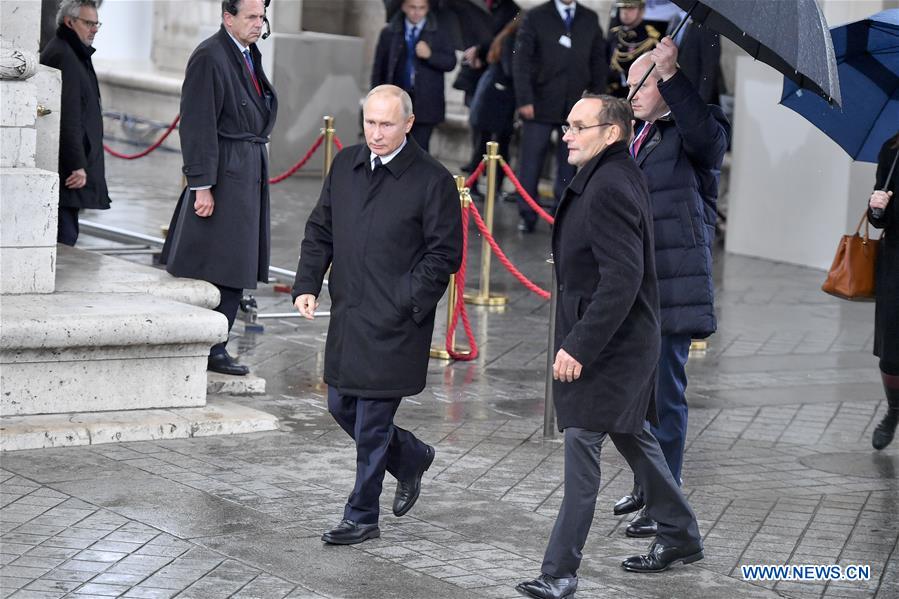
{"points": [[88, 352], [224, 384], [217, 417]]}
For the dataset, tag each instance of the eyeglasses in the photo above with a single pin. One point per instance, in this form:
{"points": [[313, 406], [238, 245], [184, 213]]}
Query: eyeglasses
{"points": [[90, 24], [576, 129]]}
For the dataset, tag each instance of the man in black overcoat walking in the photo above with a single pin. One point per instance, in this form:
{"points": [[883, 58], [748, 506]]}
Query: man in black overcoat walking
{"points": [[607, 346], [82, 171], [388, 224], [560, 52], [220, 228]]}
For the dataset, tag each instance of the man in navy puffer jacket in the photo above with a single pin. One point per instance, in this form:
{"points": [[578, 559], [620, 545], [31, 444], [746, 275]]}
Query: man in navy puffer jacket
{"points": [[680, 149]]}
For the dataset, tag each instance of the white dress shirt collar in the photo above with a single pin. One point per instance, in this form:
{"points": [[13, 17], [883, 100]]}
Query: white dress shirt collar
{"points": [[562, 7], [240, 46], [388, 158], [419, 26]]}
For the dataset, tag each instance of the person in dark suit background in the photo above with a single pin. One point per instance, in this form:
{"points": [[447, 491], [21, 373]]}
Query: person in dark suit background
{"points": [[388, 224], [220, 229], [606, 347], [560, 52], [680, 148], [415, 55], [628, 40], [699, 58], [82, 168]]}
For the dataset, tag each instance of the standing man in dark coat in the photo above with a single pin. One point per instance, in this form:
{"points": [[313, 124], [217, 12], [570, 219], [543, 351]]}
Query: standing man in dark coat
{"points": [[680, 149], [220, 229], [388, 224], [606, 344], [414, 54], [560, 52], [82, 171]]}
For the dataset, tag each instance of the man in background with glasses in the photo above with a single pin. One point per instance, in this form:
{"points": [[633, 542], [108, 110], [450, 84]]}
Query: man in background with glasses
{"points": [[606, 346], [82, 171]]}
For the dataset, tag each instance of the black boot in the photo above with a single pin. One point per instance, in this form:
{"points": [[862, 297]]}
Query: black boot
{"points": [[886, 430]]}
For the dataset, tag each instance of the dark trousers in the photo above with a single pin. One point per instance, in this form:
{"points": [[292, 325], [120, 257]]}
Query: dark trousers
{"points": [[421, 133], [228, 306], [535, 139], [380, 446], [665, 503], [671, 401], [67, 232]]}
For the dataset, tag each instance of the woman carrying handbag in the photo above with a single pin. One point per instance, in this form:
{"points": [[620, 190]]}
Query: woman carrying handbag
{"points": [[883, 213]]}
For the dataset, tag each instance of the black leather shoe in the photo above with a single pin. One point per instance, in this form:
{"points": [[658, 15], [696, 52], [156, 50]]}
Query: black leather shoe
{"points": [[548, 587], [629, 503], [886, 430], [350, 533], [641, 527], [660, 558], [225, 364], [407, 491]]}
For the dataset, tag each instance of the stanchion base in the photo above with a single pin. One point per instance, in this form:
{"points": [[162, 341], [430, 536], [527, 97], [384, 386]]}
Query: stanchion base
{"points": [[442, 354], [486, 300], [698, 346]]}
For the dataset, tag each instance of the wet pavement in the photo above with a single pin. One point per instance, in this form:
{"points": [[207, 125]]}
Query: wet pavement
{"points": [[779, 466]]}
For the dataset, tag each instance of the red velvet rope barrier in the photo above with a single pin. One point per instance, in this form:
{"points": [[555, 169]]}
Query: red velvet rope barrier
{"points": [[524, 195], [459, 309], [475, 174], [148, 150], [337, 143], [502, 256], [299, 164]]}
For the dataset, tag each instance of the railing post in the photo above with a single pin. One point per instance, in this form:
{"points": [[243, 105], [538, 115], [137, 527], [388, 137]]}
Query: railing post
{"points": [[328, 132], [483, 297], [451, 297], [549, 409]]}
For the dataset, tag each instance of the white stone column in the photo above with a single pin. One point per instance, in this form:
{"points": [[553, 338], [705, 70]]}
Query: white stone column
{"points": [[29, 195]]}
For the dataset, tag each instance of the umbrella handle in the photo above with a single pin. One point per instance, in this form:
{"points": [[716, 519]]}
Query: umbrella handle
{"points": [[633, 92]]}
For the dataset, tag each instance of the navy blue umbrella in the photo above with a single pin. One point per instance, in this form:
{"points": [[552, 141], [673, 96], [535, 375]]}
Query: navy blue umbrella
{"points": [[867, 54]]}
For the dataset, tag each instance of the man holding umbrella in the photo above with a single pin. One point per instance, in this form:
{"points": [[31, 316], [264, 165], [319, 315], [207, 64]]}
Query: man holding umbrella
{"points": [[680, 148]]}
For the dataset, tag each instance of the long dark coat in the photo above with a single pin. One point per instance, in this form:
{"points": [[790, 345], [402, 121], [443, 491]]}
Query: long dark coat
{"points": [[225, 125], [608, 302], [551, 76], [428, 97], [80, 120], [682, 158], [886, 318], [699, 58], [392, 239]]}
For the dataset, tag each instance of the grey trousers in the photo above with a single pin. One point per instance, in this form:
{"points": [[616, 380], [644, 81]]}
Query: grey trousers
{"points": [[665, 503]]}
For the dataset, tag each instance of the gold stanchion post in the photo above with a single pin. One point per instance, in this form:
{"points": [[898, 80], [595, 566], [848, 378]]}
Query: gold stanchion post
{"points": [[329, 145], [483, 297], [440, 353]]}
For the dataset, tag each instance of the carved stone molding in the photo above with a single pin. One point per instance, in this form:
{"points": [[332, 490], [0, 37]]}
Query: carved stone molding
{"points": [[17, 64]]}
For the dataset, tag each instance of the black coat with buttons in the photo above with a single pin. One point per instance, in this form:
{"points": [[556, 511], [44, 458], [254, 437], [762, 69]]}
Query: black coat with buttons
{"points": [[225, 125], [392, 239], [607, 316]]}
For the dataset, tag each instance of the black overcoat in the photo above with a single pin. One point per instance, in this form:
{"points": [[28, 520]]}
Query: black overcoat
{"points": [[886, 318], [80, 120], [225, 125], [392, 239], [428, 97], [607, 315], [551, 76]]}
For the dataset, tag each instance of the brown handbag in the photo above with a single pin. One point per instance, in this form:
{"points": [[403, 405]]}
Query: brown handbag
{"points": [[851, 276]]}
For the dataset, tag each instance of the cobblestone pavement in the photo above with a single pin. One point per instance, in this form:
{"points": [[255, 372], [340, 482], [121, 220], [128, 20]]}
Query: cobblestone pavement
{"points": [[779, 466]]}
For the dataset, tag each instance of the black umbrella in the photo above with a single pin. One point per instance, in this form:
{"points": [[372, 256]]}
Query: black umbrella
{"points": [[789, 35]]}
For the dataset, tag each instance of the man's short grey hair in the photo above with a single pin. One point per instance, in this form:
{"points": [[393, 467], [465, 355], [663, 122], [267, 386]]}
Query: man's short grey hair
{"points": [[616, 111], [72, 9], [396, 92]]}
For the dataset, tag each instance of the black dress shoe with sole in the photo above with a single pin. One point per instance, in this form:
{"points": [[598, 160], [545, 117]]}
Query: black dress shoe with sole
{"points": [[628, 503], [407, 491], [885, 430], [225, 364], [642, 527], [350, 533], [548, 587], [660, 558]]}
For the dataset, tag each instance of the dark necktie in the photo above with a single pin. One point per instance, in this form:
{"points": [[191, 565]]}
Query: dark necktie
{"points": [[376, 164], [411, 40], [249, 60], [569, 17]]}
